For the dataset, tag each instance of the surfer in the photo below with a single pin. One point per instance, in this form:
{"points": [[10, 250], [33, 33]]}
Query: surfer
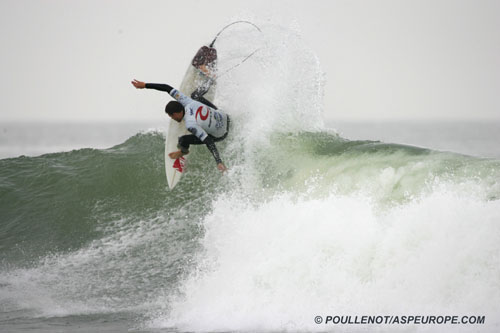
{"points": [[206, 124]]}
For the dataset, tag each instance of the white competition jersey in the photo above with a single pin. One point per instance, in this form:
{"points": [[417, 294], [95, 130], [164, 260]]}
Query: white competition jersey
{"points": [[200, 119]]}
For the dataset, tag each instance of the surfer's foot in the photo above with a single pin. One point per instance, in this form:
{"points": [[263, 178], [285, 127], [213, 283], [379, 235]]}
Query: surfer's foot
{"points": [[176, 154]]}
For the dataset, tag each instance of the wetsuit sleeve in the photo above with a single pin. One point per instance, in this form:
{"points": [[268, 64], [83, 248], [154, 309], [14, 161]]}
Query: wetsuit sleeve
{"points": [[213, 149], [197, 131], [183, 99], [180, 97], [160, 87]]}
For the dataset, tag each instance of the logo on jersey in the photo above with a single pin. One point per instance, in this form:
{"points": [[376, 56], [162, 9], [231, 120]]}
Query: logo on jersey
{"points": [[179, 164], [218, 120], [202, 116]]}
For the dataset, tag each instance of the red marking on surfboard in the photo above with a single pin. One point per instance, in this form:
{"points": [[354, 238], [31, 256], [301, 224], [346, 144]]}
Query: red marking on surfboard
{"points": [[202, 116], [179, 164]]}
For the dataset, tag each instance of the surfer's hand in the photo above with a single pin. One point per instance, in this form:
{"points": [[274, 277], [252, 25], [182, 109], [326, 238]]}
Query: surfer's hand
{"points": [[221, 167], [176, 154], [139, 84]]}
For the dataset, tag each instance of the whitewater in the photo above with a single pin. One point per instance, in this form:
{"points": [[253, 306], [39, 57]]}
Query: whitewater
{"points": [[306, 223]]}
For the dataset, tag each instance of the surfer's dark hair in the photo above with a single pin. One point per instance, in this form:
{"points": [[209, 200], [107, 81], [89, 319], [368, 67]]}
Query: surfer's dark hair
{"points": [[173, 107]]}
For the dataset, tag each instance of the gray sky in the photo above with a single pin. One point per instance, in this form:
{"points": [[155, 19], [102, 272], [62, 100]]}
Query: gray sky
{"points": [[388, 60]]}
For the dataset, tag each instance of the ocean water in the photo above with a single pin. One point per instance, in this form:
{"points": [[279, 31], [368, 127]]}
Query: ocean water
{"points": [[312, 219], [475, 138]]}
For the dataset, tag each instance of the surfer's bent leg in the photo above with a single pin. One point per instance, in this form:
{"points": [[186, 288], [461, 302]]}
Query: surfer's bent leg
{"points": [[186, 140]]}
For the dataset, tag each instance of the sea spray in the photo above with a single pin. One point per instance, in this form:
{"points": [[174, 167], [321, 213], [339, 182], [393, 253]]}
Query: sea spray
{"points": [[277, 265]]}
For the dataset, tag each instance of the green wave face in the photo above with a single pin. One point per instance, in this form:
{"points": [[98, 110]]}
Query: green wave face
{"points": [[102, 227], [71, 219], [59, 202]]}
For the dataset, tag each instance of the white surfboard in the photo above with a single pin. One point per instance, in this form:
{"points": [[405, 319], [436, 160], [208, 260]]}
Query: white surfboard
{"points": [[174, 168]]}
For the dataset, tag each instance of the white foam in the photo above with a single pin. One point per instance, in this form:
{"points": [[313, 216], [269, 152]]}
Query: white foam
{"points": [[276, 265], [106, 276]]}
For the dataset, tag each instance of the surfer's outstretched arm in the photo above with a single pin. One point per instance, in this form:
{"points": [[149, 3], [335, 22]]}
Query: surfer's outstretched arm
{"points": [[196, 95], [157, 86], [180, 97]]}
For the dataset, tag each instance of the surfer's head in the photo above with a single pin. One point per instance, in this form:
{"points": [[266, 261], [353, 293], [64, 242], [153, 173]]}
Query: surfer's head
{"points": [[175, 110]]}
